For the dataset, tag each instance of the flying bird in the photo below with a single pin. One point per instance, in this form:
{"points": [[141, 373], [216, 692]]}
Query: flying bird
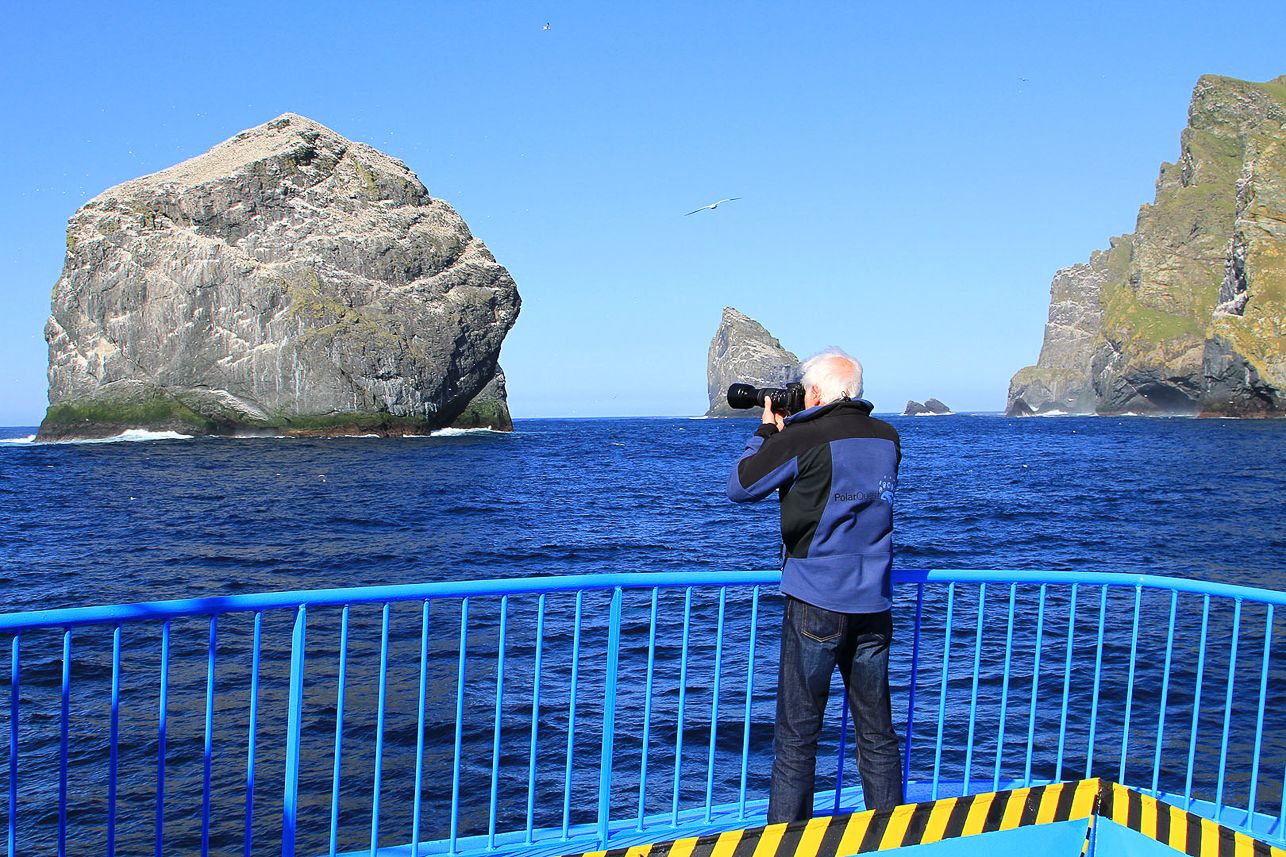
{"points": [[546, 27], [712, 206]]}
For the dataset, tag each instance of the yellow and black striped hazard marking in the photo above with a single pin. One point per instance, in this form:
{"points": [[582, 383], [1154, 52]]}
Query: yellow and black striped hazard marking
{"points": [[1182, 830], [934, 821]]}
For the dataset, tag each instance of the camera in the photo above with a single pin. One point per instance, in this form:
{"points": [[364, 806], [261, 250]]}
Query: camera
{"points": [[788, 401]]}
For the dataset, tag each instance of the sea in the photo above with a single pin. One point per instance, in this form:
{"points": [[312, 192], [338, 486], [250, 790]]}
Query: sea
{"points": [[150, 517]]}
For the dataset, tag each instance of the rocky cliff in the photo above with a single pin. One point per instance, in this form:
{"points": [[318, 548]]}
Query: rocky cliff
{"points": [[743, 351], [489, 409], [1187, 314], [287, 281]]}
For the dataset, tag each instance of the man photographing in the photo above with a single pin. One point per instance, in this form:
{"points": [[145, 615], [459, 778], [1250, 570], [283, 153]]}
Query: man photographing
{"points": [[835, 468]]}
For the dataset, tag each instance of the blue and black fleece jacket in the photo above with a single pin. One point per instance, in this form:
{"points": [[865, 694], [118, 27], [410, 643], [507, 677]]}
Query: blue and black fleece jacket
{"points": [[835, 468]]}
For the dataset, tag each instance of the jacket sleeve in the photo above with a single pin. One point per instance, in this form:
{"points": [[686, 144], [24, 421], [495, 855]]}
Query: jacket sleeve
{"points": [[763, 468]]}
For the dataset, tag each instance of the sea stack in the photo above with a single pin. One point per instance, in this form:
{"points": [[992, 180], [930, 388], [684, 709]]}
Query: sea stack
{"points": [[742, 351], [931, 407], [1186, 315], [288, 281]]}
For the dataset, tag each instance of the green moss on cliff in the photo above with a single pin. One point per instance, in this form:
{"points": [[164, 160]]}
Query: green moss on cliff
{"points": [[1214, 151], [1151, 326], [99, 418], [159, 412], [334, 321], [1277, 89], [370, 189], [147, 217], [490, 414]]}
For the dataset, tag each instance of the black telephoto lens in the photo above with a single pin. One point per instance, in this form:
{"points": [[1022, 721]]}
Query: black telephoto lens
{"points": [[744, 396]]}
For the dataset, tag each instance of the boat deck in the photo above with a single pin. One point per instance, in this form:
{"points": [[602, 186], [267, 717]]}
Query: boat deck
{"points": [[567, 715]]}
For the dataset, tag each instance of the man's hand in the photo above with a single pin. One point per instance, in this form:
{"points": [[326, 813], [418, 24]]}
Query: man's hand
{"points": [[771, 417]]}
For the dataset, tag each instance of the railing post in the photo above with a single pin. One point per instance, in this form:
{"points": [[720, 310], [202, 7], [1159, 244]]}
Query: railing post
{"points": [[64, 744], [915, 677], [161, 727], [113, 757], [208, 752], [535, 716], [609, 717], [290, 797], [252, 735], [683, 695], [714, 704], [942, 698], [843, 750], [14, 685], [647, 713], [750, 697], [1227, 705]]}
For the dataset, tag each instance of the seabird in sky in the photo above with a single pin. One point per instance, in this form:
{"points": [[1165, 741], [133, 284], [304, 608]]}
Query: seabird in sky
{"points": [[712, 206], [546, 27]]}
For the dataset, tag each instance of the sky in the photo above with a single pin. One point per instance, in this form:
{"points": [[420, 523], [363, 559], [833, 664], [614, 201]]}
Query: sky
{"points": [[910, 175]]}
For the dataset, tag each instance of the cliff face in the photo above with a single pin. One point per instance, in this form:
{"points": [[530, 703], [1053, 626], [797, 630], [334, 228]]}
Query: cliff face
{"points": [[489, 409], [1187, 314], [286, 281], [743, 351]]}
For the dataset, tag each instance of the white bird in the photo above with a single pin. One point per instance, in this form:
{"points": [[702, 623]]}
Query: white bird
{"points": [[712, 206], [546, 27]]}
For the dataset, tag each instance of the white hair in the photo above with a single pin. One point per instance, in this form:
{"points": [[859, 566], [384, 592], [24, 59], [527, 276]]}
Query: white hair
{"points": [[835, 374]]}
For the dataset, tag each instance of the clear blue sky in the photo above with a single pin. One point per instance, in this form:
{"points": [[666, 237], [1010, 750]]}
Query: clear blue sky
{"points": [[911, 175]]}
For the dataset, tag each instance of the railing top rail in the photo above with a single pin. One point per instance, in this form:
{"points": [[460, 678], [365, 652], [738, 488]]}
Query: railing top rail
{"points": [[154, 610], [1091, 578], [254, 602]]}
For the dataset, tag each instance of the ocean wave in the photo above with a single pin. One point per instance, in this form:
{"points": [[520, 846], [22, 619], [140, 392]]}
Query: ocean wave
{"points": [[127, 436], [460, 432], [133, 435]]}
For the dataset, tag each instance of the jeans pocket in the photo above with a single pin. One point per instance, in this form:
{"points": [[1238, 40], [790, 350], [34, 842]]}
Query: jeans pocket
{"points": [[818, 623]]}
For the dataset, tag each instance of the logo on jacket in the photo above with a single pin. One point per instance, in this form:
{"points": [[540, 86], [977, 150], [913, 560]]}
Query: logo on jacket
{"points": [[884, 492], [888, 485]]}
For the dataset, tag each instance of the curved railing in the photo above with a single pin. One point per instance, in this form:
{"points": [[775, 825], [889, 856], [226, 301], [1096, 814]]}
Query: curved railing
{"points": [[555, 715], [1160, 683]]}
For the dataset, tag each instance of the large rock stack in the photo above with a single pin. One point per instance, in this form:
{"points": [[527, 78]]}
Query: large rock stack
{"points": [[287, 281], [742, 351], [1188, 314]]}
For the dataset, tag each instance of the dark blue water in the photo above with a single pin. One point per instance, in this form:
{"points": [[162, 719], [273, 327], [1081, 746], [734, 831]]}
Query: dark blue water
{"points": [[97, 523], [128, 521]]}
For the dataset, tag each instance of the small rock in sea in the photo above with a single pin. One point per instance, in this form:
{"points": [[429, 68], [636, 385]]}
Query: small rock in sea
{"points": [[931, 406]]}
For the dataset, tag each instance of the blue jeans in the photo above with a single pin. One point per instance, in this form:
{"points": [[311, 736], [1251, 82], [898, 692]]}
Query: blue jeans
{"points": [[813, 642]]}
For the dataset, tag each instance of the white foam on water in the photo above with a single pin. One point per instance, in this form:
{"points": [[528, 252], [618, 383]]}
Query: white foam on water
{"points": [[134, 435], [31, 438], [460, 432]]}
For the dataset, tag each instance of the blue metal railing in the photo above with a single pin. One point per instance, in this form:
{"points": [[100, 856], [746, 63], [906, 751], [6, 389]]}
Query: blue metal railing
{"points": [[559, 714]]}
